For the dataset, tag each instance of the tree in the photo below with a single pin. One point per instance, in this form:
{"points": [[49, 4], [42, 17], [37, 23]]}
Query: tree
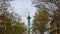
{"points": [[10, 22], [20, 27], [52, 6], [40, 20], [4, 16], [17, 28]]}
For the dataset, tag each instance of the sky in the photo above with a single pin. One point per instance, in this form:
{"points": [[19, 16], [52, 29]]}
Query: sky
{"points": [[22, 7]]}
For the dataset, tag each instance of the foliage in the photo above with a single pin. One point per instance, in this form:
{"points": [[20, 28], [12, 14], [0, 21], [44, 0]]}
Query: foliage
{"points": [[55, 12], [10, 25], [10, 22], [40, 20]]}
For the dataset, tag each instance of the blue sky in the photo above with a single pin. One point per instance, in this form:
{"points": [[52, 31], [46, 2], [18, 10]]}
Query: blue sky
{"points": [[22, 7]]}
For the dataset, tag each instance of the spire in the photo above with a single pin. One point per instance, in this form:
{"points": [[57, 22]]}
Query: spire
{"points": [[28, 22]]}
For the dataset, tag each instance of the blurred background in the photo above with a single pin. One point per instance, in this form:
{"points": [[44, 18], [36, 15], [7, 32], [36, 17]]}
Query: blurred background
{"points": [[29, 16]]}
